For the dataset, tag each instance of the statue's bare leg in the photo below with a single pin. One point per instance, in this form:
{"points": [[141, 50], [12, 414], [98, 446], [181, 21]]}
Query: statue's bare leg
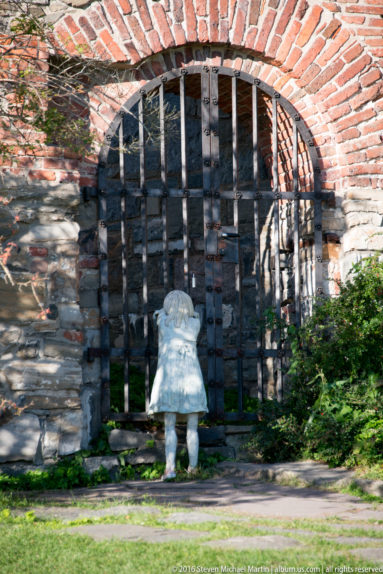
{"points": [[192, 441], [170, 445]]}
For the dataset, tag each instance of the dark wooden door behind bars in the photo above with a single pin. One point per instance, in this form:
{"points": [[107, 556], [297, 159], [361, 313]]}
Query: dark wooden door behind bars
{"points": [[230, 221]]}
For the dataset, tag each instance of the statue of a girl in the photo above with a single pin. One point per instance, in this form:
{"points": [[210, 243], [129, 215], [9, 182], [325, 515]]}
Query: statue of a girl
{"points": [[178, 392]]}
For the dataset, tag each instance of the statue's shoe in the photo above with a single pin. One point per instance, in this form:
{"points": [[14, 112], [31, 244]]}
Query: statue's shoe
{"points": [[168, 476]]}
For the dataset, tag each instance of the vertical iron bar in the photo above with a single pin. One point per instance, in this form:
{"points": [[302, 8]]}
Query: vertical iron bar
{"points": [[184, 176], [277, 277], [216, 216], [144, 250], [297, 270], [238, 285], [104, 306], [257, 243], [124, 264], [209, 251], [164, 184]]}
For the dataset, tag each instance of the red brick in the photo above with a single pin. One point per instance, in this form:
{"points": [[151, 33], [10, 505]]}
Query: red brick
{"points": [[102, 51], [352, 53], [203, 34], [178, 12], [87, 28], [333, 47], [144, 14], [38, 251], [51, 163], [265, 31], [42, 174], [369, 32], [69, 177], [327, 74], [224, 31], [367, 95], [179, 34], [191, 21], [126, 6], [66, 39], [309, 75], [310, 56], [163, 26], [154, 41], [339, 111], [96, 20], [372, 128], [293, 58], [332, 6], [133, 55], [157, 68], [353, 19], [353, 70], [117, 19], [239, 29], [91, 262], [201, 7], [72, 26], [213, 20], [113, 48], [139, 36], [223, 8], [74, 336], [354, 120], [365, 169], [365, 9], [376, 22], [310, 25], [374, 152], [374, 41], [287, 41], [332, 29], [250, 38], [370, 77], [347, 134], [254, 12], [341, 95]]}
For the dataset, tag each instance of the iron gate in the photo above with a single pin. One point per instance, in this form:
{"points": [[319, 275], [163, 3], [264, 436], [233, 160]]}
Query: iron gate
{"points": [[228, 208]]}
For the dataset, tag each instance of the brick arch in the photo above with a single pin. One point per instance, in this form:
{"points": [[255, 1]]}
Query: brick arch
{"points": [[324, 57]]}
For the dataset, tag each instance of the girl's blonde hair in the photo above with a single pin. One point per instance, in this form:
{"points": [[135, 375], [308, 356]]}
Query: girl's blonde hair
{"points": [[178, 307]]}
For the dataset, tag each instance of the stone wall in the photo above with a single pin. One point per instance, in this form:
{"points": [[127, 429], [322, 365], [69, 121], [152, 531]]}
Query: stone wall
{"points": [[324, 57]]}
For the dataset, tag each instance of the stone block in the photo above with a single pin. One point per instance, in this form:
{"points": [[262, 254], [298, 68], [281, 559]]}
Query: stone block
{"points": [[70, 316], [211, 436], [70, 429], [19, 439], [120, 439], [368, 237], [19, 305], [146, 456], [61, 350], [61, 400], [110, 463], [43, 375], [52, 232]]}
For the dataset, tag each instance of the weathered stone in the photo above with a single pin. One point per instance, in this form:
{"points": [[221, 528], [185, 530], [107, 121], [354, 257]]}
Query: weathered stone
{"points": [[146, 456], [367, 236], [110, 463], [70, 316], [120, 439], [63, 230], [237, 442], [18, 305], [238, 429], [63, 434], [59, 349], [19, 439], [211, 436], [50, 400], [43, 374]]}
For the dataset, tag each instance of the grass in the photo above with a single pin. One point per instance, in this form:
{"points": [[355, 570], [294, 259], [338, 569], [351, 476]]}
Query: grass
{"points": [[33, 546]]}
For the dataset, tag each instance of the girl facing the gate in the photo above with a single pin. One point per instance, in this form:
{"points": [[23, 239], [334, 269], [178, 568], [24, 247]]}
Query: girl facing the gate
{"points": [[178, 392]]}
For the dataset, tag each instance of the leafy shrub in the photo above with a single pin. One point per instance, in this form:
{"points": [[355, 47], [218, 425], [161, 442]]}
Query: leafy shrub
{"points": [[334, 408]]}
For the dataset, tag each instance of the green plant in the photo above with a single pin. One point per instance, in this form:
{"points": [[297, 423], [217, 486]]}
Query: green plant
{"points": [[136, 388]]}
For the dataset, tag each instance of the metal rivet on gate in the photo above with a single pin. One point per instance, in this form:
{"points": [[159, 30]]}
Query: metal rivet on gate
{"points": [[317, 169], [222, 252], [311, 143], [164, 79], [318, 227], [210, 320], [209, 288], [104, 288], [215, 101], [206, 69], [319, 290], [184, 71], [211, 383], [319, 259], [186, 193], [211, 352], [104, 320], [237, 73], [218, 289], [216, 194], [206, 100], [297, 118], [214, 69], [276, 95], [240, 353], [277, 195], [206, 163], [258, 195], [257, 82], [102, 223], [143, 92], [165, 193], [207, 131], [297, 195], [237, 195], [109, 138], [280, 353], [215, 133], [219, 352], [219, 321], [216, 164]]}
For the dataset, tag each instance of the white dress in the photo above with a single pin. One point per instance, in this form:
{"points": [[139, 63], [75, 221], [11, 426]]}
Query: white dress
{"points": [[178, 385]]}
